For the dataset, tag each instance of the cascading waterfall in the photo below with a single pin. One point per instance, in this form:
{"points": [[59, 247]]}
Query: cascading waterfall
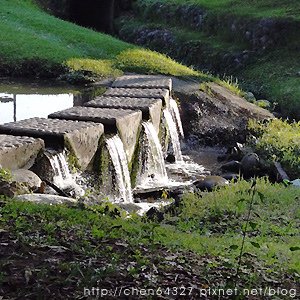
{"points": [[155, 164], [176, 116], [62, 175], [173, 134], [118, 156]]}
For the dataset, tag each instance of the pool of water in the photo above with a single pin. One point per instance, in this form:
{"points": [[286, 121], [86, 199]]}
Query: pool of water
{"points": [[21, 100]]}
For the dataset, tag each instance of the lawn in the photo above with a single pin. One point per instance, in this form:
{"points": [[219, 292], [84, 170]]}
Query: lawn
{"points": [[253, 8], [196, 246], [33, 43]]}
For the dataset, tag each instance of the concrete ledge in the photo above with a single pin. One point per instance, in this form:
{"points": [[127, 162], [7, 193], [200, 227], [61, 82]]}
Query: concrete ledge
{"points": [[163, 94], [143, 81], [151, 108], [81, 138], [125, 122], [18, 151]]}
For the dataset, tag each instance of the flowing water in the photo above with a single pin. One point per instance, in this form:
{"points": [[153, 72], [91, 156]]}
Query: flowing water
{"points": [[118, 156], [62, 175], [155, 170], [173, 134], [176, 116]]}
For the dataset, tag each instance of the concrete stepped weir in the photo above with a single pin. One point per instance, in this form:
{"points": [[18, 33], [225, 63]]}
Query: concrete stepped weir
{"points": [[19, 151], [153, 93], [151, 108], [143, 82], [82, 130], [81, 138], [123, 121]]}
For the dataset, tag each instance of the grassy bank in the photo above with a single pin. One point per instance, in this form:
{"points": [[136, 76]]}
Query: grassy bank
{"points": [[259, 9], [214, 39], [69, 248], [33, 43]]}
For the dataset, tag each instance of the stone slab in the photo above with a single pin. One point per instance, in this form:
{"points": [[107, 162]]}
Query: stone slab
{"points": [[19, 151], [143, 81], [46, 199], [81, 138], [163, 94], [125, 122], [150, 107]]}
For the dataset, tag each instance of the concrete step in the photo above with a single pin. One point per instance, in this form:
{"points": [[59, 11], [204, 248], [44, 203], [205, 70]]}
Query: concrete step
{"points": [[126, 122], [163, 94], [150, 107], [81, 138], [19, 151], [143, 81]]}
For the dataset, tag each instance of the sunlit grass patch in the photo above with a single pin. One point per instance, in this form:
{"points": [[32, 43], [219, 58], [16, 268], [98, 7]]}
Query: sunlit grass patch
{"points": [[279, 140], [142, 60], [100, 67]]}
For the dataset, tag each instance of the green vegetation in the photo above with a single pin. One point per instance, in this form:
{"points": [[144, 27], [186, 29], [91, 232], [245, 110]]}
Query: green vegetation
{"points": [[256, 8], [5, 175], [279, 141], [34, 43], [86, 244], [217, 46]]}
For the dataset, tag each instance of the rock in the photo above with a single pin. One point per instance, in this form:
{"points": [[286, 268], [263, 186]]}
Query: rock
{"points": [[171, 158], [250, 164], [154, 214], [6, 190], [232, 166], [296, 183], [214, 115], [46, 199], [209, 183], [26, 177], [231, 177], [11, 189], [249, 96], [280, 174]]}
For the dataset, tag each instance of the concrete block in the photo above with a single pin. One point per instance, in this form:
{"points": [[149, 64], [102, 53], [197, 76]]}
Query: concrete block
{"points": [[151, 108], [163, 94], [81, 138], [125, 122], [19, 151], [143, 81]]}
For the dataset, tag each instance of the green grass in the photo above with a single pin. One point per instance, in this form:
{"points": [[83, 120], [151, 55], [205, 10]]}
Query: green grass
{"points": [[35, 43], [276, 76], [76, 247], [271, 75], [207, 224], [254, 8]]}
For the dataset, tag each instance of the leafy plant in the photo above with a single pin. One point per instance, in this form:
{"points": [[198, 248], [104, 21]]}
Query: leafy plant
{"points": [[278, 140], [5, 174]]}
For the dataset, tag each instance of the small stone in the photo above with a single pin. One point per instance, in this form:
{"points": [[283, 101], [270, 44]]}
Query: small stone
{"points": [[232, 166], [171, 158], [231, 177], [209, 183]]}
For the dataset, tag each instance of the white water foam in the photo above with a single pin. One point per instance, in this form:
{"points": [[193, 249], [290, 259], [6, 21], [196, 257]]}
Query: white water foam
{"points": [[118, 156], [176, 116], [173, 134]]}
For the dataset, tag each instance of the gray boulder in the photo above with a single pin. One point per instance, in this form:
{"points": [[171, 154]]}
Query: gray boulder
{"points": [[26, 177], [250, 164]]}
